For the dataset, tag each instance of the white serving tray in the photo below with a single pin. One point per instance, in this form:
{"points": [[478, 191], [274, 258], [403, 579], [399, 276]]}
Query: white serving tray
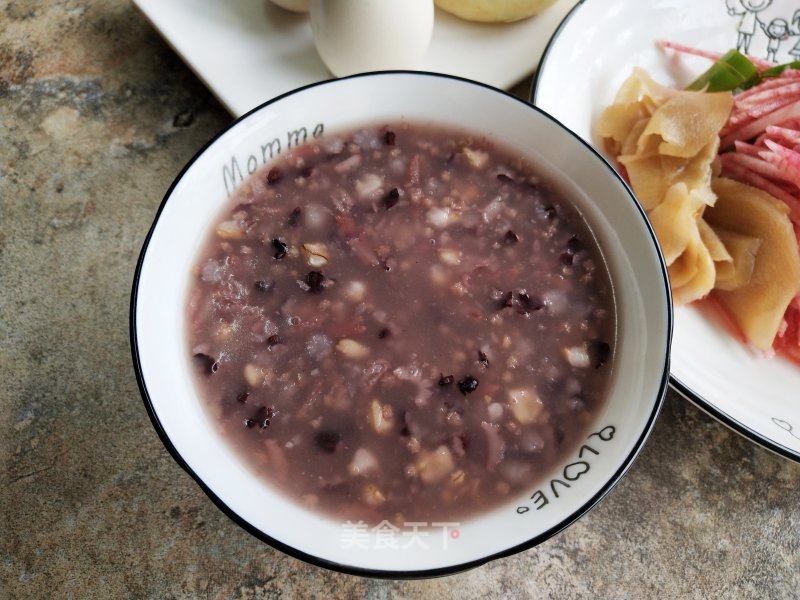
{"points": [[248, 51]]}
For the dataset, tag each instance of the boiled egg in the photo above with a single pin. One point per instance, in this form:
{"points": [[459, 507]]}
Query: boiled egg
{"points": [[354, 36]]}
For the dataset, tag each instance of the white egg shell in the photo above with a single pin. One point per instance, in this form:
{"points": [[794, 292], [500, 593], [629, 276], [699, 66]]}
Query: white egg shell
{"points": [[353, 36], [299, 6]]}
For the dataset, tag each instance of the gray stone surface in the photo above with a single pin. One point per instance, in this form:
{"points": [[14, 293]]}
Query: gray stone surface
{"points": [[91, 504]]}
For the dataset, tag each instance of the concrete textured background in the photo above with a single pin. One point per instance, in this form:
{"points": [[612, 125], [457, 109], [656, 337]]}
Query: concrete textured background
{"points": [[97, 115]]}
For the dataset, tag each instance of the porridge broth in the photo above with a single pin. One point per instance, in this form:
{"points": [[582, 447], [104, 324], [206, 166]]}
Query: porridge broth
{"points": [[401, 322]]}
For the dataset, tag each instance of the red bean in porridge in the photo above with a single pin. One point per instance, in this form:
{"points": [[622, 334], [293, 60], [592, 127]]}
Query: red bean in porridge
{"points": [[402, 322]]}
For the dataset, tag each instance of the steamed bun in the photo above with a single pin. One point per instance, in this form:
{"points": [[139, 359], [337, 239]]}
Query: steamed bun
{"points": [[494, 11]]}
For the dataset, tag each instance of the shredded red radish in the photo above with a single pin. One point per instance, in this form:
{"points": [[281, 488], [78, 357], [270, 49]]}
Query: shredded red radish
{"points": [[764, 130], [744, 148], [750, 177], [740, 117], [767, 84], [683, 49], [666, 44], [790, 158], [755, 128], [788, 340], [791, 90], [784, 135], [757, 164]]}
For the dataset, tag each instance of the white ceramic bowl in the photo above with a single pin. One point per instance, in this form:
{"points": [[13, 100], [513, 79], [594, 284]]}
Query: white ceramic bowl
{"points": [[588, 58], [162, 276]]}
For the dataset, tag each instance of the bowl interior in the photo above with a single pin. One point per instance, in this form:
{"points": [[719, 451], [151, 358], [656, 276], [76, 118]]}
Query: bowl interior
{"points": [[644, 315], [755, 395]]}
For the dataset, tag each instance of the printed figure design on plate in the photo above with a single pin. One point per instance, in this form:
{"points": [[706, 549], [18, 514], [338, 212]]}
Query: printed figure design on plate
{"points": [[787, 427], [753, 20]]}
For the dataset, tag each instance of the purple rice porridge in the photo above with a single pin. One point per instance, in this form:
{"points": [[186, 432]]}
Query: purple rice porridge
{"points": [[402, 322]]}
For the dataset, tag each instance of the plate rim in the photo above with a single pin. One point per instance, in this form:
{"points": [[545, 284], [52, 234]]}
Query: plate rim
{"points": [[562, 524], [676, 384]]}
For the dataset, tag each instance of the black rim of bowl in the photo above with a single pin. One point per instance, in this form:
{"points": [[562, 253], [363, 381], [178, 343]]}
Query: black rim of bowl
{"points": [[388, 573], [684, 390]]}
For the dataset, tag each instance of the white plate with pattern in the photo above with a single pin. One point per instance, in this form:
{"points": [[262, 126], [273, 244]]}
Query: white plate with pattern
{"points": [[589, 56]]}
